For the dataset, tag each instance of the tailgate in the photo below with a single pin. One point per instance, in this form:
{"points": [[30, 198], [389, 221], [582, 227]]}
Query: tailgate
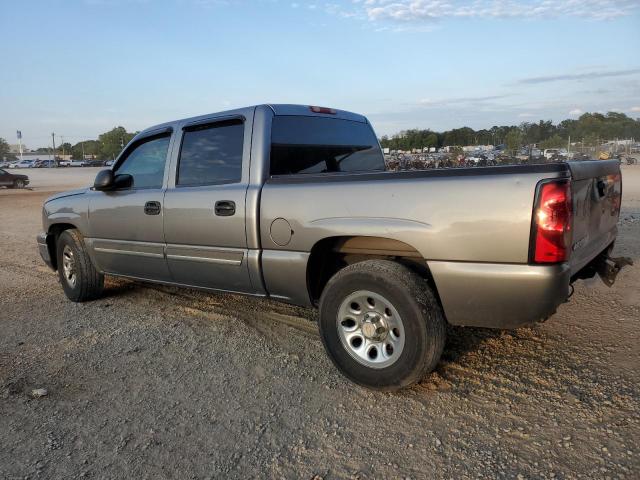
{"points": [[596, 189]]}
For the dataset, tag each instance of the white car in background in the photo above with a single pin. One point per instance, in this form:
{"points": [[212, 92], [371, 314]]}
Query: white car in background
{"points": [[78, 163], [22, 164], [549, 153]]}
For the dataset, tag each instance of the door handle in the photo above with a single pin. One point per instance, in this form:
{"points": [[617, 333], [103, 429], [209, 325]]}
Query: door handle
{"points": [[225, 208], [152, 208]]}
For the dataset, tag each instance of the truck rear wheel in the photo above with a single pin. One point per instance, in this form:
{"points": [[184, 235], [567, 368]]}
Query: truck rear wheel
{"points": [[79, 278], [381, 324]]}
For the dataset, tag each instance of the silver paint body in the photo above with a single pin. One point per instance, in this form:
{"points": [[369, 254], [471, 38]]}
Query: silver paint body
{"points": [[473, 230]]}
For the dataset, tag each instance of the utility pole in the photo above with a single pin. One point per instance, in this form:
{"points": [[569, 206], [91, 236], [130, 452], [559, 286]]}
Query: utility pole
{"points": [[82, 146], [19, 134], [53, 138]]}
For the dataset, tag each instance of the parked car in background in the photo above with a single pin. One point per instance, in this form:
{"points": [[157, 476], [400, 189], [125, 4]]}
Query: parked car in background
{"points": [[44, 164], [549, 153], [109, 163], [78, 163], [64, 163], [12, 180], [22, 164], [293, 202]]}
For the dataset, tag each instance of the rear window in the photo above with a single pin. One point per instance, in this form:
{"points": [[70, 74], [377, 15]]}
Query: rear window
{"points": [[302, 145]]}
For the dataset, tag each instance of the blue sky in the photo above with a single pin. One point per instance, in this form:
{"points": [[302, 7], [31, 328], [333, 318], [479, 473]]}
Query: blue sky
{"points": [[81, 67]]}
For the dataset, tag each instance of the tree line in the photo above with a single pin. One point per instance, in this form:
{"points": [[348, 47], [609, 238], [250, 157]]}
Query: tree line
{"points": [[106, 147], [591, 128]]}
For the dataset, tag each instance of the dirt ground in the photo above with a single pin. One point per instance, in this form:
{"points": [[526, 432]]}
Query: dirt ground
{"points": [[158, 382]]}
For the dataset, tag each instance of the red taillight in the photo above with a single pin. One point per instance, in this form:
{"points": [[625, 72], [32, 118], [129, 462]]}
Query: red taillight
{"points": [[330, 111], [552, 223]]}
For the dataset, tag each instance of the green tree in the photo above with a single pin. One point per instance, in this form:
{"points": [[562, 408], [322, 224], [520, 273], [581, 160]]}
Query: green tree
{"points": [[431, 140], [556, 141], [592, 128], [63, 149], [513, 139], [90, 148], [76, 152], [113, 141], [5, 152]]}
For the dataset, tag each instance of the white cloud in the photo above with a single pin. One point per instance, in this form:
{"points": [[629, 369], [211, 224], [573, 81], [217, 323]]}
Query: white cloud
{"points": [[430, 10], [526, 115], [576, 111], [430, 102], [634, 109], [580, 76]]}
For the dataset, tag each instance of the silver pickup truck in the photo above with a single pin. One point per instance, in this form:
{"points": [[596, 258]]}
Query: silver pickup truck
{"points": [[293, 203]]}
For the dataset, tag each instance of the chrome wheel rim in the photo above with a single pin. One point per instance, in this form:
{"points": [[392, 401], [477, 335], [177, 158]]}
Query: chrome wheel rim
{"points": [[69, 266], [370, 329]]}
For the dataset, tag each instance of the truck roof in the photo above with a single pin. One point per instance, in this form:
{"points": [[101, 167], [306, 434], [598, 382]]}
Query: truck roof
{"points": [[277, 108]]}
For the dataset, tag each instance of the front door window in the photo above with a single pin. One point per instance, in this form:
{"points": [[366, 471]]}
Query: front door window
{"points": [[145, 163]]}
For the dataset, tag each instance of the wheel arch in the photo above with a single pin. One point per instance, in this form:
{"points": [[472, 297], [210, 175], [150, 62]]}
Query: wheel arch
{"points": [[53, 234], [331, 254]]}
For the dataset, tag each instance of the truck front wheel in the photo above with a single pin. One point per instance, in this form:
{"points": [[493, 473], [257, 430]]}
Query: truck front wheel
{"points": [[79, 278], [381, 325]]}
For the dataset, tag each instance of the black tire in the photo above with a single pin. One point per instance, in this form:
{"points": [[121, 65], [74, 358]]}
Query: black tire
{"points": [[18, 183], [88, 282], [422, 319]]}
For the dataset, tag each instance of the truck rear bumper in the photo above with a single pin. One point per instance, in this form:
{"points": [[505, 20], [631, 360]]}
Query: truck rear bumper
{"points": [[43, 248], [499, 295]]}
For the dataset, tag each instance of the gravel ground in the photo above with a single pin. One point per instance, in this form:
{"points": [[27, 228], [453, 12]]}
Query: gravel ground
{"points": [[159, 382]]}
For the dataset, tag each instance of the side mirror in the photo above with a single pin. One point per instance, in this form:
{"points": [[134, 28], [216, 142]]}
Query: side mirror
{"points": [[104, 180], [124, 180]]}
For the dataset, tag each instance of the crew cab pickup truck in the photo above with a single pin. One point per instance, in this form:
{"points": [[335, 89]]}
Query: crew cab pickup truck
{"points": [[293, 203]]}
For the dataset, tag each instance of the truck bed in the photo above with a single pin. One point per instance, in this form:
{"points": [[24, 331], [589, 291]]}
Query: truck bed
{"points": [[464, 214], [471, 225]]}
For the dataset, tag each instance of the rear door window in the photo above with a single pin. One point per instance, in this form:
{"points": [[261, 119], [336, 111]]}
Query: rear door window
{"points": [[211, 154], [301, 144]]}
